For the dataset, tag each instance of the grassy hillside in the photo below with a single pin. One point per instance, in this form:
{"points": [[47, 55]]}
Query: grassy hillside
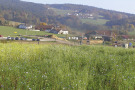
{"points": [[9, 31], [131, 33], [57, 67], [61, 12], [95, 22], [88, 21]]}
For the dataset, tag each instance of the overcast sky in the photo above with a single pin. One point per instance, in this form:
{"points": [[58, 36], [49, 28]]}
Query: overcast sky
{"points": [[118, 5]]}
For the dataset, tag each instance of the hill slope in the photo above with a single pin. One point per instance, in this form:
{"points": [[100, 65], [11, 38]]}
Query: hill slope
{"points": [[70, 15]]}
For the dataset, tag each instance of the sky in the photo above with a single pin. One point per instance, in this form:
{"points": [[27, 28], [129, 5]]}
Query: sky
{"points": [[127, 6]]}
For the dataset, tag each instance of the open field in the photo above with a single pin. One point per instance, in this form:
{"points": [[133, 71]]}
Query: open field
{"points": [[9, 31], [57, 67], [131, 33], [61, 12], [96, 22]]}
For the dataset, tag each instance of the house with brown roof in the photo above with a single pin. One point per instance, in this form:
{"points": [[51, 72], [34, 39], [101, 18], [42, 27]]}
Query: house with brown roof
{"points": [[58, 31], [106, 35], [50, 29]]}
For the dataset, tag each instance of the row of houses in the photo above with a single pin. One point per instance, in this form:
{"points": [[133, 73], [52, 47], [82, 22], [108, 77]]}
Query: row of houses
{"points": [[46, 28], [51, 29], [81, 15], [107, 35]]}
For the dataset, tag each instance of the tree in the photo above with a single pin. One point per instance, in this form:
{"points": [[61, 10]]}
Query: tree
{"points": [[132, 27], [43, 23], [2, 21]]}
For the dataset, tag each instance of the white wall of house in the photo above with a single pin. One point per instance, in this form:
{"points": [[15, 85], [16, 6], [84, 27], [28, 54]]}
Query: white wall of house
{"points": [[29, 27], [73, 38], [62, 32], [65, 32]]}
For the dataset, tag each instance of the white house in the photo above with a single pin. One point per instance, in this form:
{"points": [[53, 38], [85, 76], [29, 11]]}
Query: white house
{"points": [[62, 32], [23, 26], [29, 27], [73, 38]]}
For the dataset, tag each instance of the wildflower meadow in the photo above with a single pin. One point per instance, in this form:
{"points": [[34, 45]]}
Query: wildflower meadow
{"points": [[63, 67]]}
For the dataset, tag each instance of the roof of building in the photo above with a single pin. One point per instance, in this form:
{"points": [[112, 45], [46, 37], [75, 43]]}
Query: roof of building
{"points": [[44, 26]]}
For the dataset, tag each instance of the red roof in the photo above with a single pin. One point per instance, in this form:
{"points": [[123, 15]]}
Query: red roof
{"points": [[44, 27]]}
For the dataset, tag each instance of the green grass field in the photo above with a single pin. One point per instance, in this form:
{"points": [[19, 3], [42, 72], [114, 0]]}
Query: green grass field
{"points": [[131, 32], [61, 12], [59, 67], [96, 22], [9, 31]]}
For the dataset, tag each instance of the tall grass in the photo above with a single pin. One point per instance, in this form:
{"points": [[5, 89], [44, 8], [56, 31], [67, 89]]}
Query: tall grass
{"points": [[59, 67]]}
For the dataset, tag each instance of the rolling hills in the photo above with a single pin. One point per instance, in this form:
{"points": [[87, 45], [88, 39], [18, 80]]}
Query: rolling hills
{"points": [[79, 17]]}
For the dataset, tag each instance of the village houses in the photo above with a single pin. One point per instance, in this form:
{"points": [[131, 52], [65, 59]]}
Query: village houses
{"points": [[51, 29], [46, 28], [105, 35]]}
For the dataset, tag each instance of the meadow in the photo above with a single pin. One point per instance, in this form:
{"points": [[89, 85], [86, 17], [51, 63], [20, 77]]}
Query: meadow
{"points": [[131, 32], [95, 22], [10, 31], [61, 12], [63, 67]]}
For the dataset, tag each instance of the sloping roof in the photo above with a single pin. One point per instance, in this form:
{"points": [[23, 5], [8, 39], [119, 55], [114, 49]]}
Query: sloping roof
{"points": [[44, 27]]}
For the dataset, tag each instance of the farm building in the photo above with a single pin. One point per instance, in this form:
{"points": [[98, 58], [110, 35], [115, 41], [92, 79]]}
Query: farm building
{"points": [[58, 31]]}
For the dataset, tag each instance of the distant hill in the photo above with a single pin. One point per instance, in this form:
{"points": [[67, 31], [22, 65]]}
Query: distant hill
{"points": [[25, 12], [79, 17], [107, 14]]}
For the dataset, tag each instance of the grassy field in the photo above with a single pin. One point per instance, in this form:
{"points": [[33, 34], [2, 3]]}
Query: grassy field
{"points": [[96, 22], [61, 12], [58, 67], [131, 33], [9, 31]]}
